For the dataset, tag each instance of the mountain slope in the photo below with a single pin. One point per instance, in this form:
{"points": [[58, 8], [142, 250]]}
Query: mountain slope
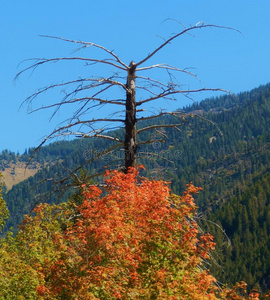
{"points": [[228, 155]]}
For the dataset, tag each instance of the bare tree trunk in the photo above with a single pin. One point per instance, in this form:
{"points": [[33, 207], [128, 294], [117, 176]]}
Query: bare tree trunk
{"points": [[130, 120], [74, 92]]}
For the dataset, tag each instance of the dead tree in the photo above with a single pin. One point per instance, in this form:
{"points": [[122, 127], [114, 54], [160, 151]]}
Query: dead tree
{"points": [[91, 93]]}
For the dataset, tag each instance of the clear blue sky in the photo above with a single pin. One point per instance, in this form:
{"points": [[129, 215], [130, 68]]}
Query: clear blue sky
{"points": [[221, 58]]}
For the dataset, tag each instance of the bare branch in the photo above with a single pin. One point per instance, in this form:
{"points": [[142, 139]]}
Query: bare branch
{"points": [[197, 26], [91, 134], [148, 79], [63, 184], [175, 114], [161, 133], [159, 126], [96, 133], [41, 61], [77, 100], [85, 135], [79, 112], [104, 152], [207, 120], [84, 122], [147, 90], [43, 90], [172, 92], [168, 67], [59, 131], [89, 44]]}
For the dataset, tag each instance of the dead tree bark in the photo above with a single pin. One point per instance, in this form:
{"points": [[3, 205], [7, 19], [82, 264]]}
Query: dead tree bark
{"points": [[130, 120], [96, 88]]}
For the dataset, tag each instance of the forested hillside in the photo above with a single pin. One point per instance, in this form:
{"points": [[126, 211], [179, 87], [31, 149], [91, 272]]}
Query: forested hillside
{"points": [[245, 219], [225, 150]]}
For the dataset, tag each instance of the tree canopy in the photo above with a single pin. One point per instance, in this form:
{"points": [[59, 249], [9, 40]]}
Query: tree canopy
{"points": [[132, 239]]}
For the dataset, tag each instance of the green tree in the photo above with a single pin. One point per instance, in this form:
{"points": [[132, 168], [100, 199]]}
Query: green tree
{"points": [[4, 213]]}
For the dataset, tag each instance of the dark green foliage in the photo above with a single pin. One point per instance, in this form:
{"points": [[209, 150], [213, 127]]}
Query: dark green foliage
{"points": [[246, 220]]}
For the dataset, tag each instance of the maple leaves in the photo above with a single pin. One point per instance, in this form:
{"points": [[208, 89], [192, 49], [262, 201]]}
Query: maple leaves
{"points": [[135, 240]]}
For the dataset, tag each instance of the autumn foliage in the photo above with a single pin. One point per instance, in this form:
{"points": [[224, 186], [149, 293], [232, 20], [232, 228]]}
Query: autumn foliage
{"points": [[135, 240]]}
